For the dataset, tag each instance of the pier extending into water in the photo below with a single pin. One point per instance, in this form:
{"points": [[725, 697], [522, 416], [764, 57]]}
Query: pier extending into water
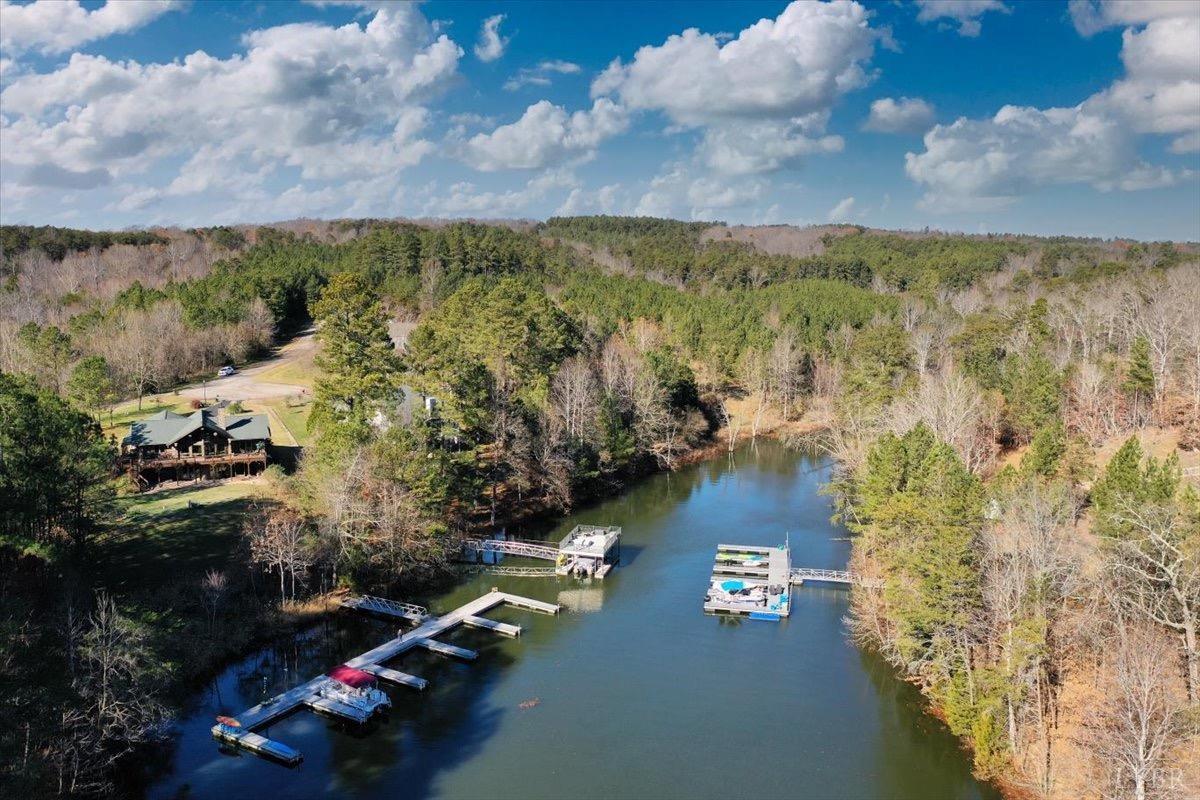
{"points": [[240, 730]]}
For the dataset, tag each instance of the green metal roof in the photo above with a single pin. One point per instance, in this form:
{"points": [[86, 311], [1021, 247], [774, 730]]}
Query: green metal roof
{"points": [[241, 427], [166, 427]]}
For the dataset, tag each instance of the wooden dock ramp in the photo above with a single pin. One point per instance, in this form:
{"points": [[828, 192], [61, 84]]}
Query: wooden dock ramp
{"points": [[397, 677], [258, 744], [443, 649], [502, 628]]}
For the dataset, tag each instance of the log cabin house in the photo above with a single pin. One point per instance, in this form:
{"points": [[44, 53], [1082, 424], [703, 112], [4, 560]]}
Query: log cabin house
{"points": [[202, 445]]}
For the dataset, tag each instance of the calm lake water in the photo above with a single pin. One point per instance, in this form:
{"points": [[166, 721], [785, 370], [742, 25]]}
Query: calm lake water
{"points": [[632, 692]]}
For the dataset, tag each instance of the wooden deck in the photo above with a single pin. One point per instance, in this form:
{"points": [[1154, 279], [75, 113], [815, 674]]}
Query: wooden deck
{"points": [[372, 661]]}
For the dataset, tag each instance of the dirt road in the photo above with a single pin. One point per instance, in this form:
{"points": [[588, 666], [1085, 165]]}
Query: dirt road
{"points": [[261, 381]]}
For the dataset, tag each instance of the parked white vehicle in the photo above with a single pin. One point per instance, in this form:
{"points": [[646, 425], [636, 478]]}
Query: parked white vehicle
{"points": [[225, 372]]}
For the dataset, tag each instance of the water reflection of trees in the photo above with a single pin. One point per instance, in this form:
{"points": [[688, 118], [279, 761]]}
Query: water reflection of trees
{"points": [[426, 733]]}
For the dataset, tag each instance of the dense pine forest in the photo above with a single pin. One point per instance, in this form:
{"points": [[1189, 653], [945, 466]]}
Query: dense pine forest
{"points": [[1015, 423]]}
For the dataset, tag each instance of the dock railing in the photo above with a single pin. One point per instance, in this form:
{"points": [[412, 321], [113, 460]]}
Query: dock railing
{"points": [[514, 547], [802, 574], [391, 608]]}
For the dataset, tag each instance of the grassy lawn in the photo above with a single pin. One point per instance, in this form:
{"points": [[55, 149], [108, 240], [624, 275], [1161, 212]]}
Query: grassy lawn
{"points": [[295, 418], [289, 423], [299, 371], [174, 535]]}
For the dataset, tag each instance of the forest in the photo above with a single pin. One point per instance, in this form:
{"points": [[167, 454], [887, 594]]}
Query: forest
{"points": [[1015, 423]]}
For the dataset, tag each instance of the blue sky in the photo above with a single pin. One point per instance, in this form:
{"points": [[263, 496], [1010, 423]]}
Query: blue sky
{"points": [[974, 115]]}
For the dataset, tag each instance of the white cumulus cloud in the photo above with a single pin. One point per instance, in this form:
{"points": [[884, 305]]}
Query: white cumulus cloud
{"points": [[467, 199], [988, 163], [55, 26], [1092, 16], [491, 44], [966, 13], [322, 102], [1161, 89], [906, 115], [976, 163], [608, 199], [767, 146], [842, 211], [763, 96], [793, 65], [677, 192], [545, 135]]}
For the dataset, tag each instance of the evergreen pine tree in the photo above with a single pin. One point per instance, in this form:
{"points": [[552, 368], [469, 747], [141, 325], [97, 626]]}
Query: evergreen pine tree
{"points": [[1139, 376], [1046, 450], [362, 370]]}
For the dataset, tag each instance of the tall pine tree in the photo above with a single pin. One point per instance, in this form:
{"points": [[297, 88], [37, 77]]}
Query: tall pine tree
{"points": [[362, 370]]}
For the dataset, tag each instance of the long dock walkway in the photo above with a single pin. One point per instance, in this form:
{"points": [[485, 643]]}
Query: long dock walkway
{"points": [[372, 661]]}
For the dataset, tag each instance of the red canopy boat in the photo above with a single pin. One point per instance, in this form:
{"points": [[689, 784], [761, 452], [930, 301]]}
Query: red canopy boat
{"points": [[354, 678]]}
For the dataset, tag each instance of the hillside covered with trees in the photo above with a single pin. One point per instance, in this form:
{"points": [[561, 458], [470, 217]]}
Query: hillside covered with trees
{"points": [[988, 401]]}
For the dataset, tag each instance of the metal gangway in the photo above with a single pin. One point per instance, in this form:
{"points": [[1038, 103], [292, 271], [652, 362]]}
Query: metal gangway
{"points": [[515, 547], [386, 607], [523, 572], [801, 574]]}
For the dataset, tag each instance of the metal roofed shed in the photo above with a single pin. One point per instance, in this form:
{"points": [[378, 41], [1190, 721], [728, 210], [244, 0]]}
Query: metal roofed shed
{"points": [[589, 551]]}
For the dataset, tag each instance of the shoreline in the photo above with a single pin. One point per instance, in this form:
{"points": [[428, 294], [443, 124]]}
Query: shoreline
{"points": [[301, 617]]}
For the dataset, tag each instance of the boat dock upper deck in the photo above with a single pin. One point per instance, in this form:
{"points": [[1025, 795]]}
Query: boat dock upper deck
{"points": [[588, 551]]}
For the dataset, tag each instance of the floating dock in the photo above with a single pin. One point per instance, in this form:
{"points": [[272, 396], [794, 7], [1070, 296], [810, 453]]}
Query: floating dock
{"points": [[752, 581], [239, 731], [588, 551]]}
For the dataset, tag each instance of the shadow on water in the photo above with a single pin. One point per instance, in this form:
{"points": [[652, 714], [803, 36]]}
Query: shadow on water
{"points": [[629, 554], [409, 747], [909, 726]]}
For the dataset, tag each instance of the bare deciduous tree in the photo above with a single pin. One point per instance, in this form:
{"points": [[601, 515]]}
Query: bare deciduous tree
{"points": [[1029, 569], [756, 378], [277, 542], [957, 413], [786, 365], [1157, 569], [1134, 729], [573, 397], [213, 588], [117, 681]]}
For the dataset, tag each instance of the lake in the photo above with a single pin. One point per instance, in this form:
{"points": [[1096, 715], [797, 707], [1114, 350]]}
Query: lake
{"points": [[631, 692]]}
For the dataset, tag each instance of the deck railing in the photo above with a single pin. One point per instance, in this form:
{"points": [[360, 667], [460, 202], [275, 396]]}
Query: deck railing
{"points": [[187, 460], [513, 547], [802, 574]]}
